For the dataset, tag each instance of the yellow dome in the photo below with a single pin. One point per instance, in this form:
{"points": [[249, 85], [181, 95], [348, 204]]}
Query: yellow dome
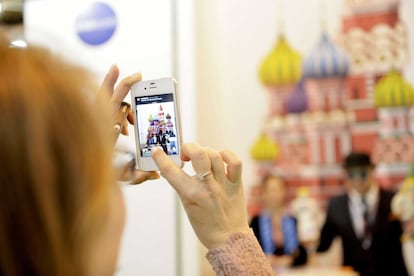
{"points": [[282, 66], [302, 191], [264, 149], [392, 91], [407, 184]]}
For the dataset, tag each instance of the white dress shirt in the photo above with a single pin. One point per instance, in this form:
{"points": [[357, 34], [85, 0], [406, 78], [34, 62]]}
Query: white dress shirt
{"points": [[356, 208]]}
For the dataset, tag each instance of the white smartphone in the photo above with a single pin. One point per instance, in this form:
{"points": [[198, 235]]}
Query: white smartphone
{"points": [[157, 121]]}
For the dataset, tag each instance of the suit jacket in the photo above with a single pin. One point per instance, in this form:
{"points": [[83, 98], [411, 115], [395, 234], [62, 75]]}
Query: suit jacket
{"points": [[384, 257]]}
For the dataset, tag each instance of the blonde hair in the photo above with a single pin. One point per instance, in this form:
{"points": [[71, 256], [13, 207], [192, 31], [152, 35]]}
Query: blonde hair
{"points": [[56, 176]]}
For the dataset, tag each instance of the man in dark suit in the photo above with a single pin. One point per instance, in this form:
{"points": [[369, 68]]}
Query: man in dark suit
{"points": [[362, 219]]}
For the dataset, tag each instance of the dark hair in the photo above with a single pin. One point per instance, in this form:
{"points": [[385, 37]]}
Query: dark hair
{"points": [[357, 159]]}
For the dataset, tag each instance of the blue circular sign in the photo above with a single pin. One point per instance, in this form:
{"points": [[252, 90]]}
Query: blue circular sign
{"points": [[96, 24]]}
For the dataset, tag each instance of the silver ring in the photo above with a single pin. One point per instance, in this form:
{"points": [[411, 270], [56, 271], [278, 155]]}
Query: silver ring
{"points": [[201, 176]]}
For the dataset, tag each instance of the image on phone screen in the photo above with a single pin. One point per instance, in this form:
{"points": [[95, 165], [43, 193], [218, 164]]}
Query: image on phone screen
{"points": [[157, 126]]}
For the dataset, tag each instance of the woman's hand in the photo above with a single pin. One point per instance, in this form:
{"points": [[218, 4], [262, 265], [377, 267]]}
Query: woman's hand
{"points": [[116, 95], [215, 203]]}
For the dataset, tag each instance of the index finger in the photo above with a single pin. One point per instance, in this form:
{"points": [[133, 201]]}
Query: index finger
{"points": [[123, 88], [109, 81], [169, 169]]}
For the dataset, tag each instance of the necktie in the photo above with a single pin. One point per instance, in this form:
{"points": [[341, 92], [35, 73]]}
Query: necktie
{"points": [[367, 237]]}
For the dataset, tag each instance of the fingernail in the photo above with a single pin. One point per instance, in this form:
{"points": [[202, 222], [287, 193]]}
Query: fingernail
{"points": [[112, 68], [154, 150], [137, 75], [123, 109], [153, 176]]}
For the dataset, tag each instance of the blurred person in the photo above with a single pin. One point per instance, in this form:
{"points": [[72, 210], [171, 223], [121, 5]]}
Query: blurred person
{"points": [[276, 228], [61, 210], [362, 219], [309, 216]]}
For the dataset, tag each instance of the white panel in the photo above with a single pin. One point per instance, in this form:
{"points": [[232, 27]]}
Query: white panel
{"points": [[185, 69], [141, 42]]}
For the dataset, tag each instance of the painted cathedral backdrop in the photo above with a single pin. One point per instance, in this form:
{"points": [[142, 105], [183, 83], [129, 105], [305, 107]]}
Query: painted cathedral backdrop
{"points": [[347, 94]]}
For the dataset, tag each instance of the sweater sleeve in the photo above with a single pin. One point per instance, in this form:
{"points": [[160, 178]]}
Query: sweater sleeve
{"points": [[241, 256]]}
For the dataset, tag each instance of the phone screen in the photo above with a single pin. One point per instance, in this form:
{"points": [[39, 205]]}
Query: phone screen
{"points": [[157, 125]]}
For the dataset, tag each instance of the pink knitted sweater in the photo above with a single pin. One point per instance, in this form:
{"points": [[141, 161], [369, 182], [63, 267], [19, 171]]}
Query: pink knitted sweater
{"points": [[241, 256]]}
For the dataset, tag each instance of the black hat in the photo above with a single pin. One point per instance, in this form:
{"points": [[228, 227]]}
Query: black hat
{"points": [[357, 159]]}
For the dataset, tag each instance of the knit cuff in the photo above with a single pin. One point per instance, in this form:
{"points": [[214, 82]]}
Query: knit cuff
{"points": [[241, 255]]}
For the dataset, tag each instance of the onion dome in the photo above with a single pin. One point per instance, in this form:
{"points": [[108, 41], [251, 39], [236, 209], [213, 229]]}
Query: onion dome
{"points": [[303, 191], [392, 91], [150, 118], [282, 65], [264, 149], [168, 116], [298, 101], [326, 60]]}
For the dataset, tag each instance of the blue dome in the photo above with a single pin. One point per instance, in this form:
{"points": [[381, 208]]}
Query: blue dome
{"points": [[326, 60]]}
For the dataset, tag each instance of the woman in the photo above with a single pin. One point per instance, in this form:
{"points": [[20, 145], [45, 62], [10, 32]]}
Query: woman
{"points": [[61, 211], [275, 228]]}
